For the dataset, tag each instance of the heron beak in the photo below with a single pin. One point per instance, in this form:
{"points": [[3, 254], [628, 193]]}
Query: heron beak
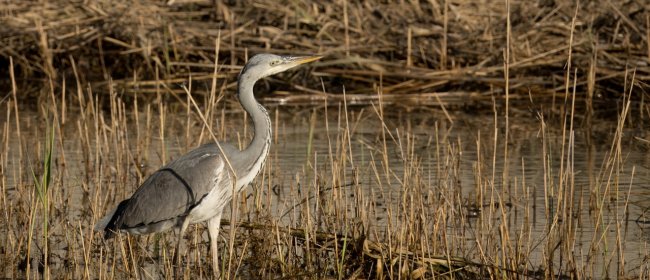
{"points": [[305, 59]]}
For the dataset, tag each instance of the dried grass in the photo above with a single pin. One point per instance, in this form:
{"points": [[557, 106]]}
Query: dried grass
{"points": [[417, 48]]}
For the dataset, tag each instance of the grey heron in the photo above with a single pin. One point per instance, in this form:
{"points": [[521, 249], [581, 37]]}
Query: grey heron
{"points": [[197, 186]]}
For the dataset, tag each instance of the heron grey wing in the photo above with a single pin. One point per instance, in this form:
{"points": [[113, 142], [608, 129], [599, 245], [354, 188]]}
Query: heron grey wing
{"points": [[174, 189]]}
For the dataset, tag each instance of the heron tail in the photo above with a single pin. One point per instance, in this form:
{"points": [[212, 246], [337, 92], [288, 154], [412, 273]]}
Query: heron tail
{"points": [[109, 223]]}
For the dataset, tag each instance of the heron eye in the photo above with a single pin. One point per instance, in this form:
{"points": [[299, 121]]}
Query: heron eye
{"points": [[275, 62]]}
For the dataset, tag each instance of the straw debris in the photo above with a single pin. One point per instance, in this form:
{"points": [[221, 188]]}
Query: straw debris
{"points": [[418, 48]]}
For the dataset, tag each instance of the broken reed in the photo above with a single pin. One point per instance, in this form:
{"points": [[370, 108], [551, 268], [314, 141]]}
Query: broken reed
{"points": [[424, 51]]}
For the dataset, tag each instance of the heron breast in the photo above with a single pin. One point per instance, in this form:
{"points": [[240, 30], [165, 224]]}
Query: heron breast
{"points": [[214, 201]]}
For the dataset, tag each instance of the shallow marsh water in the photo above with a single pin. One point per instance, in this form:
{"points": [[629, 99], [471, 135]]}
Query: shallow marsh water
{"points": [[415, 180]]}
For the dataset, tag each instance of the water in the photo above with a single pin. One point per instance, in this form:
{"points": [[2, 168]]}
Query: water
{"points": [[415, 167]]}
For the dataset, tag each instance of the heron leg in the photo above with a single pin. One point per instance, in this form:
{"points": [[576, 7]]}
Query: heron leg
{"points": [[181, 233], [213, 231]]}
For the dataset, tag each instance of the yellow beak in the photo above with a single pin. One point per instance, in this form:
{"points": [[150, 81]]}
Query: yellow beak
{"points": [[306, 59]]}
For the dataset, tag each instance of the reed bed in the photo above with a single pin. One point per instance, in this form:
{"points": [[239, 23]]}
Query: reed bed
{"points": [[409, 161], [436, 52], [365, 192]]}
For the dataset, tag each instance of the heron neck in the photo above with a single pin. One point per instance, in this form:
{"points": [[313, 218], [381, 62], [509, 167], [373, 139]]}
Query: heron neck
{"points": [[256, 152]]}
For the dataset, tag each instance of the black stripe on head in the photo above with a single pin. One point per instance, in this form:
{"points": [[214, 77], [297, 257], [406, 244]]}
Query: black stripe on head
{"points": [[253, 61]]}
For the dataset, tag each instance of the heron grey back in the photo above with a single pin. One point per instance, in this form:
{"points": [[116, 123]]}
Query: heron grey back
{"points": [[170, 193]]}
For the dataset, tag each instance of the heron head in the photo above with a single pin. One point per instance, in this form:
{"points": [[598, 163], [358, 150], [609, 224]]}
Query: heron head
{"points": [[264, 65]]}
